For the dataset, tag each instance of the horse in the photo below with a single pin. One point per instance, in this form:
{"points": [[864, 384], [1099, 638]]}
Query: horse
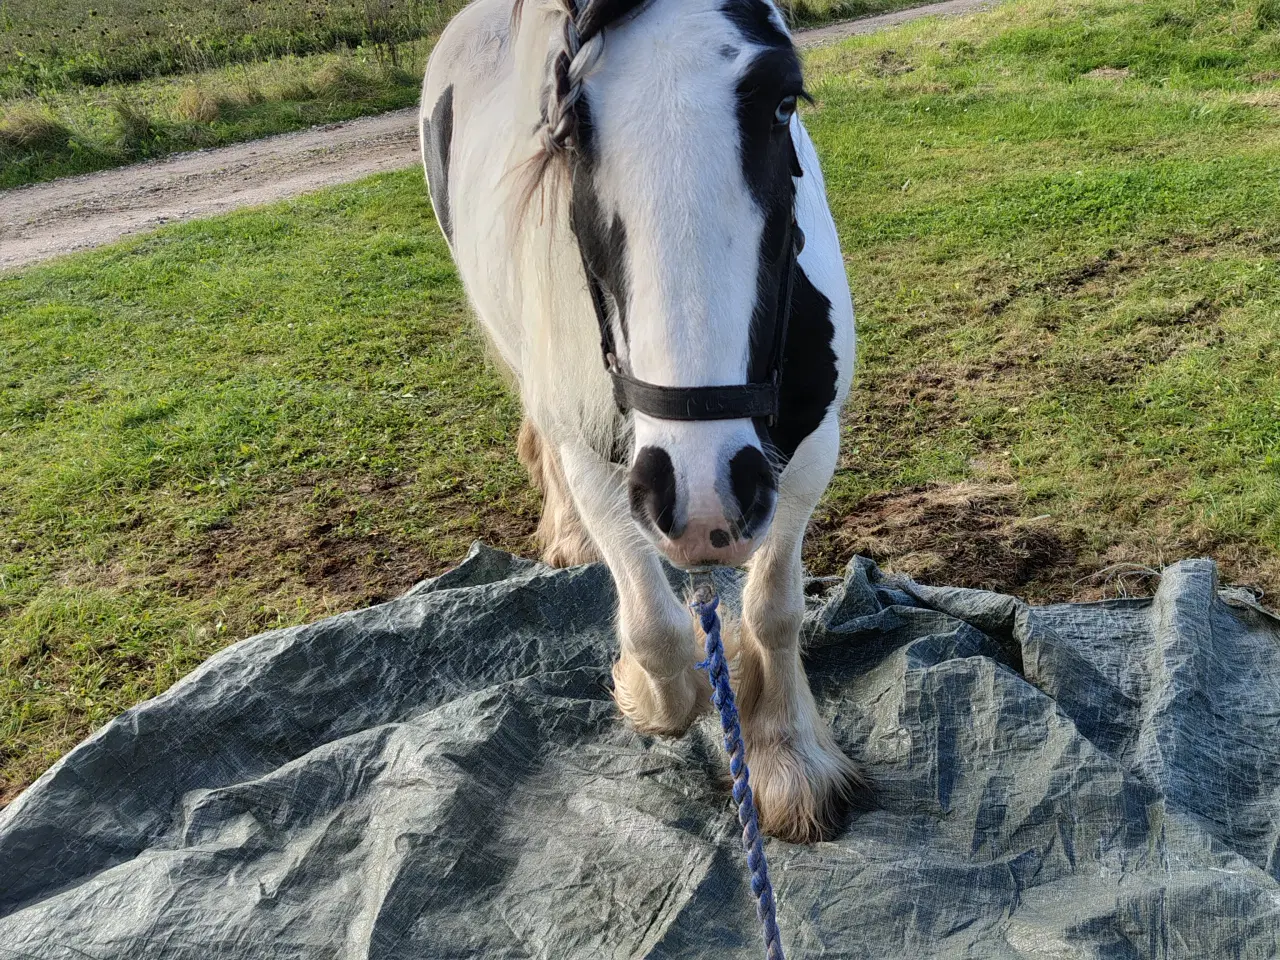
{"points": [[640, 223]]}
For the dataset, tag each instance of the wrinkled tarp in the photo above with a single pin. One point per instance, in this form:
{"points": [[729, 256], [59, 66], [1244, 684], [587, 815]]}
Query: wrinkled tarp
{"points": [[444, 775]]}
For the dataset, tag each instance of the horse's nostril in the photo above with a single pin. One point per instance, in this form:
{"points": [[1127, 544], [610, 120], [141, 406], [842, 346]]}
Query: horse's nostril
{"points": [[652, 489], [753, 483], [719, 539]]}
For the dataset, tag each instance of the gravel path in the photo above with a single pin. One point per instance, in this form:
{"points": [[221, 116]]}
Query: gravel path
{"points": [[76, 213]]}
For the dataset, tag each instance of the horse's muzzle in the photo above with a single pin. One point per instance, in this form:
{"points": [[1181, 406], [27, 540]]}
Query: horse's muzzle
{"points": [[720, 525]]}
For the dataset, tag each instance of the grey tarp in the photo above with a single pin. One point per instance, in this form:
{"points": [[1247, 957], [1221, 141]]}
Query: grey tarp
{"points": [[445, 775]]}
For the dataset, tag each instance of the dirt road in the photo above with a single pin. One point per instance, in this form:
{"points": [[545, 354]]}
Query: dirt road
{"points": [[77, 213]]}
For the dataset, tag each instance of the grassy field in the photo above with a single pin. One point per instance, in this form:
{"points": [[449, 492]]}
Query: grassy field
{"points": [[90, 84], [1062, 224], [72, 43]]}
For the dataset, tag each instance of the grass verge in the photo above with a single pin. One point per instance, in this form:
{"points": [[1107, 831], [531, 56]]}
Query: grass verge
{"points": [[61, 133], [1061, 222]]}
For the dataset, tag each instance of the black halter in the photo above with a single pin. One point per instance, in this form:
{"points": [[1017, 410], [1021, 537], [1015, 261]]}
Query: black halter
{"points": [[740, 402]]}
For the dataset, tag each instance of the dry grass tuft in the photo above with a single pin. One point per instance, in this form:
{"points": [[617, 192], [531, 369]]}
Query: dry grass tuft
{"points": [[198, 106], [246, 94], [26, 127], [133, 125], [343, 79], [1261, 98], [293, 91], [1108, 73]]}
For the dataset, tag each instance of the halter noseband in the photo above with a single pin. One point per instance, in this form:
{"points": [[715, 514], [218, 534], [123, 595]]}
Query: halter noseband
{"points": [[739, 402]]}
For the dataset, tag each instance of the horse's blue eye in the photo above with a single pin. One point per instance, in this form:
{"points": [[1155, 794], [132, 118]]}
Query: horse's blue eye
{"points": [[786, 110]]}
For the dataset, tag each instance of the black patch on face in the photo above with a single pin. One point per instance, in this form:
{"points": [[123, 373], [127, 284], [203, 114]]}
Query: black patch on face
{"points": [[769, 164], [755, 22], [437, 135], [765, 148], [752, 480], [602, 240], [585, 132], [651, 487], [809, 373], [728, 51], [603, 246]]}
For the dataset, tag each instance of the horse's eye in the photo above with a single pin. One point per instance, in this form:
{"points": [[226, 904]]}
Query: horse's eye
{"points": [[786, 110]]}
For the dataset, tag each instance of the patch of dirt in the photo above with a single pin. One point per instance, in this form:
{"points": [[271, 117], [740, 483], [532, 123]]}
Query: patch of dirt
{"points": [[930, 388], [345, 545], [967, 534], [981, 534], [1068, 282], [889, 63]]}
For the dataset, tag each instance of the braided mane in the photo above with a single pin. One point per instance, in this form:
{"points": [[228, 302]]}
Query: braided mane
{"points": [[583, 23]]}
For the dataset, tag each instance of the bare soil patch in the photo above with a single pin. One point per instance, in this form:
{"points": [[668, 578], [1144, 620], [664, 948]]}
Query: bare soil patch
{"points": [[351, 546], [969, 534]]}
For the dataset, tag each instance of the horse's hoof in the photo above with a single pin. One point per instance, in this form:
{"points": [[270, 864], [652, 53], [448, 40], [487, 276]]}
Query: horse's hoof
{"points": [[804, 788], [664, 707]]}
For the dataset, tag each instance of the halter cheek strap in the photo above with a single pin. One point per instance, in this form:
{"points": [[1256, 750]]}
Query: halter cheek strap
{"points": [[739, 402]]}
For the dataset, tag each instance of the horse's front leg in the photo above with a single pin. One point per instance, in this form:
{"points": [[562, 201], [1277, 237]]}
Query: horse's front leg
{"points": [[802, 781], [654, 680]]}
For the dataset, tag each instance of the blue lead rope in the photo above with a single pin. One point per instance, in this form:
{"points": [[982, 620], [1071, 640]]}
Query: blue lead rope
{"points": [[704, 605]]}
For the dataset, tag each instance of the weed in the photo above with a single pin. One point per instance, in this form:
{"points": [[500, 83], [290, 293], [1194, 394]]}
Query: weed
{"points": [[1266, 14], [135, 131]]}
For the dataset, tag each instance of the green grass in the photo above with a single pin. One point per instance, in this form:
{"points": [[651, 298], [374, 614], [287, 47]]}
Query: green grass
{"points": [[93, 128], [66, 44], [1061, 223], [60, 44]]}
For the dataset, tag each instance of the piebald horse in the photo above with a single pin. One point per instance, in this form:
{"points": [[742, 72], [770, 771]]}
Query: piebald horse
{"points": [[641, 225]]}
